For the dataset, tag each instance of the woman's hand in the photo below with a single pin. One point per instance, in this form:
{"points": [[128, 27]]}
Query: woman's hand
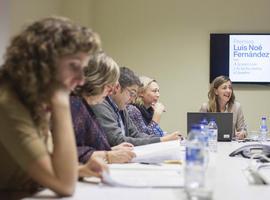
{"points": [[172, 136], [59, 171], [123, 146], [240, 135], [95, 166], [60, 96], [121, 156], [158, 107]]}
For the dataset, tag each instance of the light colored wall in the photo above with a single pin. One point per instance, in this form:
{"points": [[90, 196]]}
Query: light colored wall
{"points": [[165, 39], [26, 11], [4, 27], [23, 12], [169, 40], [78, 10]]}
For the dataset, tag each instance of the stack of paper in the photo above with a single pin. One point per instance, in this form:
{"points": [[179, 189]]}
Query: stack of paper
{"points": [[141, 176], [158, 152]]}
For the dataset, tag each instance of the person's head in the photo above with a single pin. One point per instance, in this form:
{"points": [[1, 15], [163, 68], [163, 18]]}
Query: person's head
{"points": [[101, 75], [148, 93], [220, 93], [127, 88], [48, 54]]}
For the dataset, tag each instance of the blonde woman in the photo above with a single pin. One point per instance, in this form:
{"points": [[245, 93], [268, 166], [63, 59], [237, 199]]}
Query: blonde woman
{"points": [[146, 110], [222, 99], [101, 75]]}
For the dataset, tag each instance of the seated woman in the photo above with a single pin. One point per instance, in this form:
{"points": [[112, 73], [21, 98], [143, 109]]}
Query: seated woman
{"points": [[146, 111], [101, 75], [42, 65], [222, 99]]}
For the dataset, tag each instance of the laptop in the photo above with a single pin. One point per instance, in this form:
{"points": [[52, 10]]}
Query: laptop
{"points": [[224, 122]]}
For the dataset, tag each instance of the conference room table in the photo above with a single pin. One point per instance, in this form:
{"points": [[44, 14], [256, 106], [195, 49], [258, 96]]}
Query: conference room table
{"points": [[226, 178]]}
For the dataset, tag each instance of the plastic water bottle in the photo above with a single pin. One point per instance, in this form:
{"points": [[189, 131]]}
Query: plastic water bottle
{"points": [[212, 135], [263, 130], [204, 127], [195, 161], [205, 139]]}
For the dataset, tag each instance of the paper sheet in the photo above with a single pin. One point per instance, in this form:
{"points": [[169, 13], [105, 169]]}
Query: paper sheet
{"points": [[141, 176], [158, 152]]}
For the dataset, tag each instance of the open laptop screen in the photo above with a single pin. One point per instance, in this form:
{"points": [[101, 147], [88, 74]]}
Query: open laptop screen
{"points": [[224, 122]]}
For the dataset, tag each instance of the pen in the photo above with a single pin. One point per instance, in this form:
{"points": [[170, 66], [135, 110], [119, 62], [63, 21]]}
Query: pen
{"points": [[172, 162], [148, 163]]}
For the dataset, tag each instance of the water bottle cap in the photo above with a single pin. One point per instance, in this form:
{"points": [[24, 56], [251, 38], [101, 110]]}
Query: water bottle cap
{"points": [[212, 120], [204, 121], [263, 117]]}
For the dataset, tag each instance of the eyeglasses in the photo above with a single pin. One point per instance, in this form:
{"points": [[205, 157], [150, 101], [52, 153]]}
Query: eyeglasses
{"points": [[132, 93]]}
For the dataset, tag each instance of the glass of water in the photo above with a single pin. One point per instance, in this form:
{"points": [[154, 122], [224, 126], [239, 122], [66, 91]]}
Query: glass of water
{"points": [[254, 135]]}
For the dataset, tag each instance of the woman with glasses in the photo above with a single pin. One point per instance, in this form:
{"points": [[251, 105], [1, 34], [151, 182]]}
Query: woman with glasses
{"points": [[145, 110], [222, 99], [101, 76]]}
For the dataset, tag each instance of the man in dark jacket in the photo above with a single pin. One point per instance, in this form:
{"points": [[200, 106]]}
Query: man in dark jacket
{"points": [[113, 116]]}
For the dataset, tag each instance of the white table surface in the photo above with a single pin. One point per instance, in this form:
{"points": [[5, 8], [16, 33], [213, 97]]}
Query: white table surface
{"points": [[227, 179]]}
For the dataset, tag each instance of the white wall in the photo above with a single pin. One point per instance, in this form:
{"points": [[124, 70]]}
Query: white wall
{"points": [[165, 39], [23, 12], [26, 11], [169, 40], [78, 10], [4, 27]]}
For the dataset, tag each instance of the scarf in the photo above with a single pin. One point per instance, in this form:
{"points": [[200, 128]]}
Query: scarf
{"points": [[147, 114]]}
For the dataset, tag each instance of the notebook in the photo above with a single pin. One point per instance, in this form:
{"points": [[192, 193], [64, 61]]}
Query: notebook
{"points": [[224, 122]]}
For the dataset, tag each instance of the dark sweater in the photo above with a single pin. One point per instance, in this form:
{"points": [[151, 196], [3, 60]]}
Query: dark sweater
{"points": [[89, 134]]}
